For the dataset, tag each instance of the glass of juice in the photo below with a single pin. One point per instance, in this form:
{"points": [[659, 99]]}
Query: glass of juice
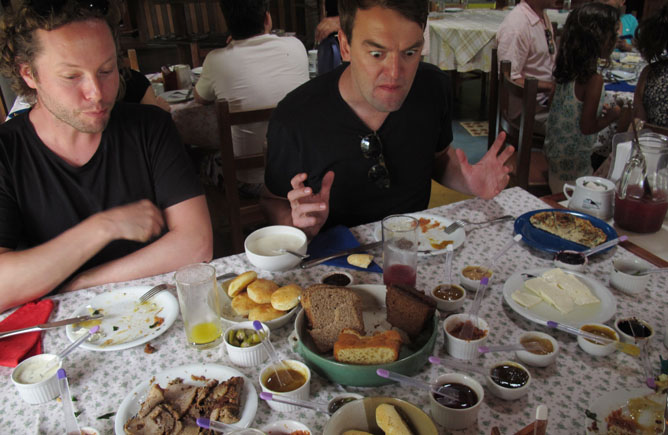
{"points": [[195, 283], [400, 246]]}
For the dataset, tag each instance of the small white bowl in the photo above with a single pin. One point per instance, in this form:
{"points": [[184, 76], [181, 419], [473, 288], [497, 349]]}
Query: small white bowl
{"points": [[560, 262], [469, 283], [37, 392], [301, 393], [453, 418], [87, 430], [333, 276], [463, 349], [505, 392], [339, 400], [246, 356], [597, 349], [533, 359], [449, 304], [262, 247], [285, 427], [623, 279], [628, 338]]}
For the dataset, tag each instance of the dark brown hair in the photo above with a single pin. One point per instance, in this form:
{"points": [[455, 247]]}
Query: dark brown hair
{"points": [[588, 29], [414, 10], [652, 36], [18, 44]]}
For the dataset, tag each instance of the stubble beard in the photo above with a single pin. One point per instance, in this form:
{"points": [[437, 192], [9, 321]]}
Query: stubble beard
{"points": [[73, 118]]}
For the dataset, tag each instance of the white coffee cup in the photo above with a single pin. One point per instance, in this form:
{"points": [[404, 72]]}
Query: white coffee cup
{"points": [[591, 195], [183, 78]]}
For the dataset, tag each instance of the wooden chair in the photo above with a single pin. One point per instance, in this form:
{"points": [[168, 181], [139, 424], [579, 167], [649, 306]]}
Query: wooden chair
{"points": [[530, 168], [656, 128], [132, 59], [492, 131], [241, 212]]}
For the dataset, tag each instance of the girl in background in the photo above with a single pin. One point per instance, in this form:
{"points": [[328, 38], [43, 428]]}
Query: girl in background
{"points": [[651, 96], [577, 112]]}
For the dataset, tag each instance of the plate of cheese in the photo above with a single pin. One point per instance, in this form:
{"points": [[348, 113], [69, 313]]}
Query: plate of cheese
{"points": [[562, 296]]}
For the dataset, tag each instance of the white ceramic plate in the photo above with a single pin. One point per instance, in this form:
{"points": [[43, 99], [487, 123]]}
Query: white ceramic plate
{"points": [[177, 96], [542, 312], [609, 402], [433, 234], [131, 404], [197, 70], [452, 9], [126, 323], [224, 309], [623, 75]]}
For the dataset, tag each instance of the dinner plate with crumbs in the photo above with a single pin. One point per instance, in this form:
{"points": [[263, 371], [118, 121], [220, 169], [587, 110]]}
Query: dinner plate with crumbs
{"points": [[542, 311], [126, 322], [223, 306], [196, 375], [451, 10], [177, 96], [615, 410], [548, 242], [432, 238]]}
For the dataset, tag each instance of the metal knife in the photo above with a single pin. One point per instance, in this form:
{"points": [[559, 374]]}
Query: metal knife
{"points": [[361, 248], [50, 325]]}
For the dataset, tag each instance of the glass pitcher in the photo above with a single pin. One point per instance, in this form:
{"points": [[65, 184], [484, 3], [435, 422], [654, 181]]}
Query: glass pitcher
{"points": [[641, 197]]}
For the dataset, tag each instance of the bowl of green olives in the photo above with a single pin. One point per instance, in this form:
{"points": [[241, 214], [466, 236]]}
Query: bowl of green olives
{"points": [[243, 344]]}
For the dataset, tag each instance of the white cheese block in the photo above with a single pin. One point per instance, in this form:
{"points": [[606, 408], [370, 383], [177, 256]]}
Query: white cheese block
{"points": [[551, 293], [525, 298], [573, 287]]}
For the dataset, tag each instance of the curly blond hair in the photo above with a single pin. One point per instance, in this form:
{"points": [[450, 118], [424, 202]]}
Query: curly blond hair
{"points": [[19, 46]]}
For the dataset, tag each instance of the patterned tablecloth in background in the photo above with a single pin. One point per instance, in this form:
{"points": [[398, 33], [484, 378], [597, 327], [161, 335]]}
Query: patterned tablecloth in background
{"points": [[464, 40], [100, 380]]}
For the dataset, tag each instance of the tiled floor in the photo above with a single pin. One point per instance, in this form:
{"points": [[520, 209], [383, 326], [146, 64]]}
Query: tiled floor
{"points": [[467, 110]]}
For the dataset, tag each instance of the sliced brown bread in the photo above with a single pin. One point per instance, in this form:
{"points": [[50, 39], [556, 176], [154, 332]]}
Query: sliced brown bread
{"points": [[329, 310], [408, 308], [354, 348]]}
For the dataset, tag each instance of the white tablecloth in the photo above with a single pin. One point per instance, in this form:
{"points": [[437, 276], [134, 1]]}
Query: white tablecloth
{"points": [[100, 380]]}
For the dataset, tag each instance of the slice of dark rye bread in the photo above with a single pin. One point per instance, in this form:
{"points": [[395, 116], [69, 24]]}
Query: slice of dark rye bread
{"points": [[329, 310], [408, 309]]}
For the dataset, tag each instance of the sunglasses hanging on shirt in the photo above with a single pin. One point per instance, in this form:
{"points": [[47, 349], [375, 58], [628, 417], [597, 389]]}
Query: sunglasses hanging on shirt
{"points": [[372, 148]]}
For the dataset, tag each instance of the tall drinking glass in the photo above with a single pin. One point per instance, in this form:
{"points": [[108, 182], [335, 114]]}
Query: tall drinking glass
{"points": [[400, 246], [194, 284]]}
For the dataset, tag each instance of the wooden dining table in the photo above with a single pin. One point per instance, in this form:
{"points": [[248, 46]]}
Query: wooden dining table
{"points": [[100, 381]]}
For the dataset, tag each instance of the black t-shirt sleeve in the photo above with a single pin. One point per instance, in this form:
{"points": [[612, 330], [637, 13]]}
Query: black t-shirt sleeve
{"points": [[283, 156], [10, 220], [332, 8], [135, 87]]}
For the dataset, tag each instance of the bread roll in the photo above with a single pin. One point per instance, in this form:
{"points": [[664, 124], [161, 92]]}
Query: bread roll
{"points": [[286, 297], [354, 348], [241, 304], [389, 420], [241, 282], [264, 313], [360, 260], [260, 290]]}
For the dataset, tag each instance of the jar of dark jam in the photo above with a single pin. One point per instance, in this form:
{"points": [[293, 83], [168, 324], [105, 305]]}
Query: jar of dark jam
{"points": [[466, 397]]}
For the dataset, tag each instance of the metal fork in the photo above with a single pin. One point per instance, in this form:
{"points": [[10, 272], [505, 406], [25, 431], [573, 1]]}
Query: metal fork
{"points": [[460, 223], [160, 287]]}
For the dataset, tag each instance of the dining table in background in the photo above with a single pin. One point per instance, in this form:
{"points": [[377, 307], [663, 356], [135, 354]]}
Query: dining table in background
{"points": [[463, 41], [101, 380]]}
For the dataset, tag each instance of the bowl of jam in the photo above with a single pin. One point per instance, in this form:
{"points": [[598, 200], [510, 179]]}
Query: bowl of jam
{"points": [[339, 279], [448, 297], [464, 334], [541, 349], [457, 413], [572, 260], [508, 380], [633, 330], [594, 348], [470, 276]]}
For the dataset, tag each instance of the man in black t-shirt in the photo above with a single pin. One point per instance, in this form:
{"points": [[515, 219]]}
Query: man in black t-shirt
{"points": [[381, 123], [90, 191]]}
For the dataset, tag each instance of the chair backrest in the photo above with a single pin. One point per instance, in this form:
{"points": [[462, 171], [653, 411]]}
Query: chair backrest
{"points": [[238, 211], [492, 130], [519, 133], [132, 58], [656, 128]]}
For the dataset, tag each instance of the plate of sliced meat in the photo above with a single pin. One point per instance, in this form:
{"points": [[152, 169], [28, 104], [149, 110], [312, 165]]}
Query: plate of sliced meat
{"points": [[171, 401]]}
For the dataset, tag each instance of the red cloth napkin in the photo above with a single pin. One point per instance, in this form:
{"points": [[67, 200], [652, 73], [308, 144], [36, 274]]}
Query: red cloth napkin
{"points": [[16, 348]]}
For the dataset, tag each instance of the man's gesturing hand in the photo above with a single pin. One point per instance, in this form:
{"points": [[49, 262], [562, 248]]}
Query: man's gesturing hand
{"points": [[309, 210], [489, 176]]}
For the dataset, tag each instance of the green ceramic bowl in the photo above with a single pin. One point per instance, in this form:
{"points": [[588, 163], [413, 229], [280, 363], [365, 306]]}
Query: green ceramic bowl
{"points": [[411, 358], [361, 415]]}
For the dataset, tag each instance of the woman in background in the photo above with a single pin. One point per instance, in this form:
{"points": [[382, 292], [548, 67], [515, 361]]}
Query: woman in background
{"points": [[651, 96]]}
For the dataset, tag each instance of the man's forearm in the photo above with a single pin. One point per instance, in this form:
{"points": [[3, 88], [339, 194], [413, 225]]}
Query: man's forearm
{"points": [[448, 172]]}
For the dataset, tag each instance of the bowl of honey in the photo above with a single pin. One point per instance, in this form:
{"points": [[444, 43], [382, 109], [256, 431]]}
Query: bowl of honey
{"points": [[598, 349], [448, 297], [541, 349], [290, 378], [470, 276]]}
